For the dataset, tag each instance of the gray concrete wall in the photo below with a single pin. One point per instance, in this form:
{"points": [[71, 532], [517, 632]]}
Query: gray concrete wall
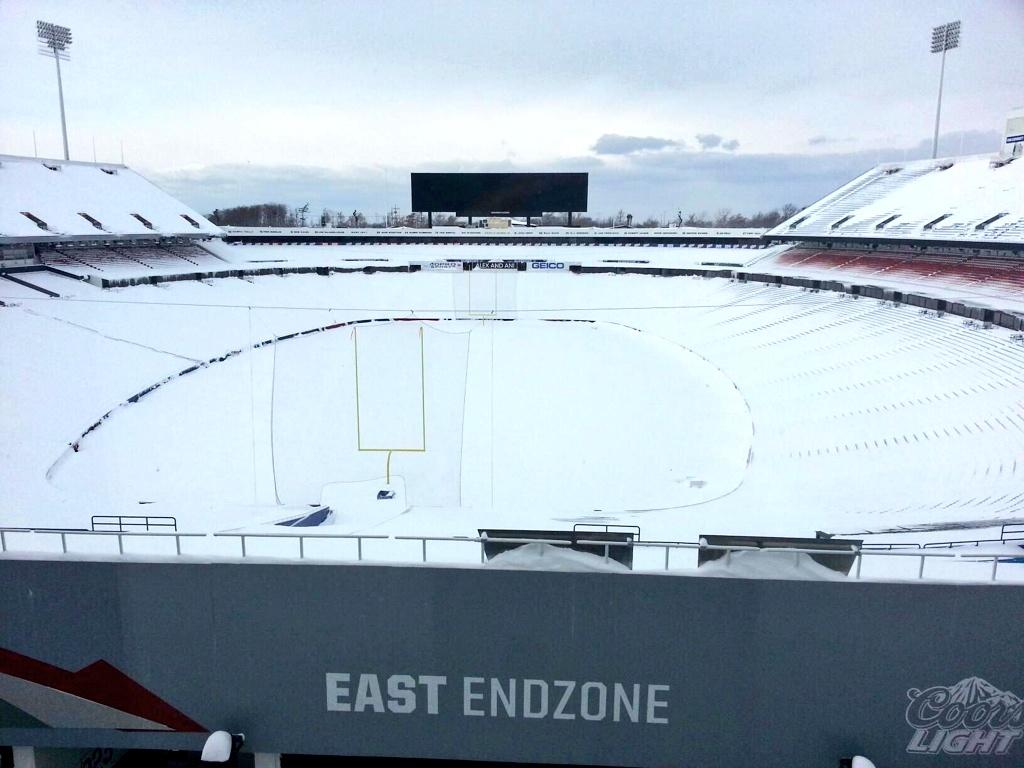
{"points": [[730, 672]]}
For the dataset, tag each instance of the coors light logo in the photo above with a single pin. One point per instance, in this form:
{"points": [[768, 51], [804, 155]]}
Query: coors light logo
{"points": [[972, 717]]}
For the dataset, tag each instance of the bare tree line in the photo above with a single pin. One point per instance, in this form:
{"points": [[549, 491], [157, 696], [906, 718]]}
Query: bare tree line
{"points": [[280, 215]]}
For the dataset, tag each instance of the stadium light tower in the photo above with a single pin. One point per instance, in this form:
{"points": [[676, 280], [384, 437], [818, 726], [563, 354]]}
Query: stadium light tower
{"points": [[54, 41], [945, 37]]}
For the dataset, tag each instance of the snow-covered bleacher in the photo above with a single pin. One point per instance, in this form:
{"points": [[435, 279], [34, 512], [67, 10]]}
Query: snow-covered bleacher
{"points": [[975, 276], [60, 201], [171, 257], [977, 199], [929, 268]]}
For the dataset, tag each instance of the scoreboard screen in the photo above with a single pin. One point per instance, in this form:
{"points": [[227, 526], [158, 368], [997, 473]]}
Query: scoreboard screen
{"points": [[515, 194]]}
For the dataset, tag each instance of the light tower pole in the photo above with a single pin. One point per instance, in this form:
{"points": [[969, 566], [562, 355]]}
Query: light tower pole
{"points": [[945, 37], [54, 41]]}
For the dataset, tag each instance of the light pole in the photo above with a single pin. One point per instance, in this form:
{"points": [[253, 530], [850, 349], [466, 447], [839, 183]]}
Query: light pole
{"points": [[945, 37], [54, 41]]}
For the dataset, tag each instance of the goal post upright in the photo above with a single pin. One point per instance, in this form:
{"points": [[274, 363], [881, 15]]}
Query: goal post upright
{"points": [[422, 448]]}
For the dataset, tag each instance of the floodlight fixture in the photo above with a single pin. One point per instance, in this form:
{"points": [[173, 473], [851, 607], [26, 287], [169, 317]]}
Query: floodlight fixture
{"points": [[945, 37], [54, 41]]}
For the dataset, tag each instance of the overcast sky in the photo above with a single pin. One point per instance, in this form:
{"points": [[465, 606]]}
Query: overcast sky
{"points": [[698, 106]]}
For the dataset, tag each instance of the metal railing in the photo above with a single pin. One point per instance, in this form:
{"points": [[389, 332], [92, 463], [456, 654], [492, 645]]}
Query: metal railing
{"points": [[1009, 532], [859, 553], [120, 535], [146, 522], [358, 537], [481, 540], [607, 528]]}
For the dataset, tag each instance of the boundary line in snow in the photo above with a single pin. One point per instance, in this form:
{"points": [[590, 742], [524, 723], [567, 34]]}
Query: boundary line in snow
{"points": [[74, 445]]}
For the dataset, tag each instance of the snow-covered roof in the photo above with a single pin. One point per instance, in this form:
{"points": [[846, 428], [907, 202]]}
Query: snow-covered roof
{"points": [[974, 199], [54, 200]]}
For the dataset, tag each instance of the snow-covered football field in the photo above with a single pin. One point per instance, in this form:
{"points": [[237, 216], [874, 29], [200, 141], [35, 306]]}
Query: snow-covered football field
{"points": [[684, 406]]}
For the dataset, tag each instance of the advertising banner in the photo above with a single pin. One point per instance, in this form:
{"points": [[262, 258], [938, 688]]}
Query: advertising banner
{"points": [[439, 266], [550, 266], [521, 666], [500, 265]]}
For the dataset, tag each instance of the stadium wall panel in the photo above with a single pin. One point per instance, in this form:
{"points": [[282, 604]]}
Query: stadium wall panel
{"points": [[609, 669]]}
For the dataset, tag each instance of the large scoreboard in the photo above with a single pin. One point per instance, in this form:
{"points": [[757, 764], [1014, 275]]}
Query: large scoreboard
{"points": [[483, 194]]}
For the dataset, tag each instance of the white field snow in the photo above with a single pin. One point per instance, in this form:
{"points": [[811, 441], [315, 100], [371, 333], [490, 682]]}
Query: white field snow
{"points": [[689, 406], [640, 254]]}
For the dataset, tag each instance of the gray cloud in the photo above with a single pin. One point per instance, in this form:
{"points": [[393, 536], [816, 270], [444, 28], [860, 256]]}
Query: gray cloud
{"points": [[223, 186], [373, 190], [960, 143], [647, 183], [614, 144], [821, 140], [204, 98], [716, 141], [708, 140], [707, 181]]}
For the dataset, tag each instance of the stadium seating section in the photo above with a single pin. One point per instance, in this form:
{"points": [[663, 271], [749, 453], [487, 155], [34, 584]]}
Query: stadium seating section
{"points": [[973, 199], [166, 257], [1003, 274]]}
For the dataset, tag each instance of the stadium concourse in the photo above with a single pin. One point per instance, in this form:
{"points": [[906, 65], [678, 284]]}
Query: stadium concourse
{"points": [[680, 382]]}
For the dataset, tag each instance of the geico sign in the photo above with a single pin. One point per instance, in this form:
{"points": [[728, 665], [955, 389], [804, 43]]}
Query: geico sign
{"points": [[548, 265]]}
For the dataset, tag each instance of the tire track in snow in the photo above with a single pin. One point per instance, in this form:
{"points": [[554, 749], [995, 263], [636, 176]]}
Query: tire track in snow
{"points": [[75, 445], [111, 338]]}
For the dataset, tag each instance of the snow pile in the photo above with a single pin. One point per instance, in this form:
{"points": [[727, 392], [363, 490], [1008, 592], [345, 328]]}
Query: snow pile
{"points": [[547, 557], [768, 564], [365, 502]]}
